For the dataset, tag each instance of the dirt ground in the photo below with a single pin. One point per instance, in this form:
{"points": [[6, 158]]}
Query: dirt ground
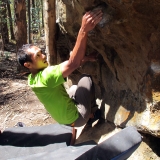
{"points": [[19, 104]]}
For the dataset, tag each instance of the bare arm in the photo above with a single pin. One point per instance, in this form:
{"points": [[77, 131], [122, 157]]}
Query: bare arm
{"points": [[89, 21]]}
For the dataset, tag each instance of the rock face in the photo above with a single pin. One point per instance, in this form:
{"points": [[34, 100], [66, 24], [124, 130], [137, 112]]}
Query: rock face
{"points": [[127, 72]]}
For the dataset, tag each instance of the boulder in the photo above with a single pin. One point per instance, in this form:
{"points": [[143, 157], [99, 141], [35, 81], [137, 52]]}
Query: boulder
{"points": [[127, 71]]}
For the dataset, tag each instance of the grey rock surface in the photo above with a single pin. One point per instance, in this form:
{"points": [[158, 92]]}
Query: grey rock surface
{"points": [[127, 72]]}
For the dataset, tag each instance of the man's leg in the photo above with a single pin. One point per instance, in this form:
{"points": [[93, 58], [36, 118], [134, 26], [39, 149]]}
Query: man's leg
{"points": [[72, 90], [85, 99]]}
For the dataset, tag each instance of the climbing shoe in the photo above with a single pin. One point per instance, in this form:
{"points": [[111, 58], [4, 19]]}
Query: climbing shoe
{"points": [[20, 124], [97, 115]]}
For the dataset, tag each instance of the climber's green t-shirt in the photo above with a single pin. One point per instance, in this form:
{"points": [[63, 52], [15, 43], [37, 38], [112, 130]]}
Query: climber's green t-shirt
{"points": [[49, 88]]}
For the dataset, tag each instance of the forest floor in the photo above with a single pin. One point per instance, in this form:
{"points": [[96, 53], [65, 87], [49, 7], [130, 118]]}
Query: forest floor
{"points": [[19, 104]]}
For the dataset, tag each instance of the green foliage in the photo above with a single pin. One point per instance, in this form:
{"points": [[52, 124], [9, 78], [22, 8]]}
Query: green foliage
{"points": [[3, 12], [7, 54], [36, 15], [3, 19]]}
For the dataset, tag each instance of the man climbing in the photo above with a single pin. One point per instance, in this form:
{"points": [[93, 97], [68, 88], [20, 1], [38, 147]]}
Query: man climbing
{"points": [[74, 108]]}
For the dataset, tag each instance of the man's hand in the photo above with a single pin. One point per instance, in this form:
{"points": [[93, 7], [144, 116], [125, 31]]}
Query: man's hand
{"points": [[90, 19], [91, 57]]}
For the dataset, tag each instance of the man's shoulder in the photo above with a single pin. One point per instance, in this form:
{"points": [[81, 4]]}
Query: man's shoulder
{"points": [[51, 71], [51, 68]]}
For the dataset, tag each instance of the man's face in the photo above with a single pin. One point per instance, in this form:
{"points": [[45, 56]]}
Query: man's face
{"points": [[39, 60]]}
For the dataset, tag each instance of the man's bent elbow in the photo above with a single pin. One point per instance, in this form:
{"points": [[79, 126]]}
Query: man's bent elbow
{"points": [[68, 67], [74, 65]]}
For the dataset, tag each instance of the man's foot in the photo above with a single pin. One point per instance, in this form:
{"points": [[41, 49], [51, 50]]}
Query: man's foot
{"points": [[20, 124], [96, 116]]}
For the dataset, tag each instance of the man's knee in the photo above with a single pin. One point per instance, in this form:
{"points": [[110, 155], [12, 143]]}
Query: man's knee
{"points": [[86, 78], [86, 75], [72, 91]]}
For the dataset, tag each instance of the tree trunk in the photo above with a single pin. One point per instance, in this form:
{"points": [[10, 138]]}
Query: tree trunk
{"points": [[29, 22], [50, 30], [33, 14], [42, 14], [20, 27], [20, 23], [33, 3], [10, 21], [3, 25]]}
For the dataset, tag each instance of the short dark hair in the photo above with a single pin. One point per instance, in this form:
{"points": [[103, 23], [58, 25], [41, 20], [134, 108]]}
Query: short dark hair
{"points": [[23, 55]]}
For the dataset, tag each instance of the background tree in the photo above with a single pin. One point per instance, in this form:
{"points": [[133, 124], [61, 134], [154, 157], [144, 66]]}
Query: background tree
{"points": [[20, 23], [3, 22], [10, 20], [50, 30], [42, 14], [29, 21], [33, 16]]}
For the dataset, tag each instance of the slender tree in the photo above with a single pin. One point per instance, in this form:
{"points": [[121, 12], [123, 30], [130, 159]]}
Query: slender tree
{"points": [[20, 23], [50, 30], [10, 21], [29, 22], [3, 22], [33, 16], [38, 8], [42, 14], [33, 3]]}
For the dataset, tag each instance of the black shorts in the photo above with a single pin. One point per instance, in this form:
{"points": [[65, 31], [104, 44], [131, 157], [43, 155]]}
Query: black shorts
{"points": [[84, 97]]}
